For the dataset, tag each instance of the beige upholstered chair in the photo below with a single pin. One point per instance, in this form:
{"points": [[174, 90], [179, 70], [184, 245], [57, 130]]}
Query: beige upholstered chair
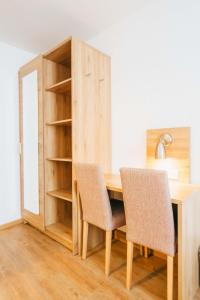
{"points": [[149, 216], [97, 208]]}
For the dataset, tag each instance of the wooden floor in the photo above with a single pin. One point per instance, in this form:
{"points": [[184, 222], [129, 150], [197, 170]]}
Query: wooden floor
{"points": [[34, 267]]}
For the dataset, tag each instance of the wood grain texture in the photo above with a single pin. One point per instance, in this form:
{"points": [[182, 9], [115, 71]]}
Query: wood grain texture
{"points": [[179, 191], [62, 87], [66, 122], [61, 194], [178, 152], [11, 224], [91, 105], [61, 233], [58, 145], [61, 159], [170, 277], [77, 127], [188, 243], [61, 53], [187, 198], [91, 114], [36, 64], [129, 271], [65, 72], [57, 106], [85, 239], [34, 267], [108, 252]]}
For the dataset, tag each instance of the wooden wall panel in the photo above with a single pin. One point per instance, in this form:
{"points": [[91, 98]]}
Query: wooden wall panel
{"points": [[91, 105], [91, 115], [178, 151]]}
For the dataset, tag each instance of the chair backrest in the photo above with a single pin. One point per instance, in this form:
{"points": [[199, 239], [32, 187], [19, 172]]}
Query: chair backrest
{"points": [[148, 209], [94, 196]]}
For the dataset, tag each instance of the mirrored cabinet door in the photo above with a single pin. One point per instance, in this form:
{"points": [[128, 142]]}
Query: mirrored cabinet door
{"points": [[31, 142]]}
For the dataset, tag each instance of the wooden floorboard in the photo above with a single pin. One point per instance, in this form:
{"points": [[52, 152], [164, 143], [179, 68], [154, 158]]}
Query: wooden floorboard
{"points": [[34, 267]]}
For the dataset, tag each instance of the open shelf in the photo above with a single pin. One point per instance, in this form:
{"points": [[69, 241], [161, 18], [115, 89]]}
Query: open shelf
{"points": [[61, 231], [66, 122], [58, 144], [59, 177], [62, 87], [66, 159], [58, 108], [59, 220], [61, 194], [61, 54]]}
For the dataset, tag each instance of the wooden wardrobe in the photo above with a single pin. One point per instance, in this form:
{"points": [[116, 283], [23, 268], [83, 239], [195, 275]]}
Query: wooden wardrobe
{"points": [[65, 117]]}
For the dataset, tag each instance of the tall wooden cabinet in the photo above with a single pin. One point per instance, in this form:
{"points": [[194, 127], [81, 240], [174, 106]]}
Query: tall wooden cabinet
{"points": [[74, 125]]}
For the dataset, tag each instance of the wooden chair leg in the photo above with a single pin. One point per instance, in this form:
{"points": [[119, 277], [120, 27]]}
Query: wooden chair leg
{"points": [[129, 264], [170, 273], [146, 254], [108, 252], [141, 250], [85, 239]]}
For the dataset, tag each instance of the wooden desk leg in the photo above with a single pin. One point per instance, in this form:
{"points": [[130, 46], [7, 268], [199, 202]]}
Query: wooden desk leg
{"points": [[180, 259], [188, 244]]}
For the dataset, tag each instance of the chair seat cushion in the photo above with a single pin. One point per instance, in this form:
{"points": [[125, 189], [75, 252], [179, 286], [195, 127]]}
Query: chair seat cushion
{"points": [[118, 213]]}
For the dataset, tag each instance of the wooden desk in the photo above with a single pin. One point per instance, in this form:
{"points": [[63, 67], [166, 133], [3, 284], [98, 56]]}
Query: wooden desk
{"points": [[187, 199]]}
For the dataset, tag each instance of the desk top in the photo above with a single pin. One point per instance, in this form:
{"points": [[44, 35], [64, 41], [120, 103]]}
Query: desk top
{"points": [[180, 192]]}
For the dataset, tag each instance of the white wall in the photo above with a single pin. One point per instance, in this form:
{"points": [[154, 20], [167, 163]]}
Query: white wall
{"points": [[155, 77], [10, 60]]}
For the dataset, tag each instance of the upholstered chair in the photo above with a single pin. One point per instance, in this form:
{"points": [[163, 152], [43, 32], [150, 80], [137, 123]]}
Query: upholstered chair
{"points": [[97, 208], [149, 217]]}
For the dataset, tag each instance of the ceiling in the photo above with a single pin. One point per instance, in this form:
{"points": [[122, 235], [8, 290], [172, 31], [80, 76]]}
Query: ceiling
{"points": [[36, 25]]}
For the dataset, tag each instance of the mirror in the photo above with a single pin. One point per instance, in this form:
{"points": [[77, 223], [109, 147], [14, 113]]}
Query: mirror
{"points": [[30, 142]]}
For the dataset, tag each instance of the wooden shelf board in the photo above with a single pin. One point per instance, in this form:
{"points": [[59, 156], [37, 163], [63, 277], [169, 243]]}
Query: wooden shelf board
{"points": [[66, 122], [61, 194], [62, 231], [67, 159], [61, 53], [62, 87]]}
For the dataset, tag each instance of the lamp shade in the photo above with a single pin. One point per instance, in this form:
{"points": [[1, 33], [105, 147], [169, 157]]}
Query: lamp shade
{"points": [[164, 141], [160, 151]]}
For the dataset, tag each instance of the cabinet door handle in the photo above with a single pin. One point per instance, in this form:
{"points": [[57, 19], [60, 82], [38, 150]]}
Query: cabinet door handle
{"points": [[101, 79]]}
